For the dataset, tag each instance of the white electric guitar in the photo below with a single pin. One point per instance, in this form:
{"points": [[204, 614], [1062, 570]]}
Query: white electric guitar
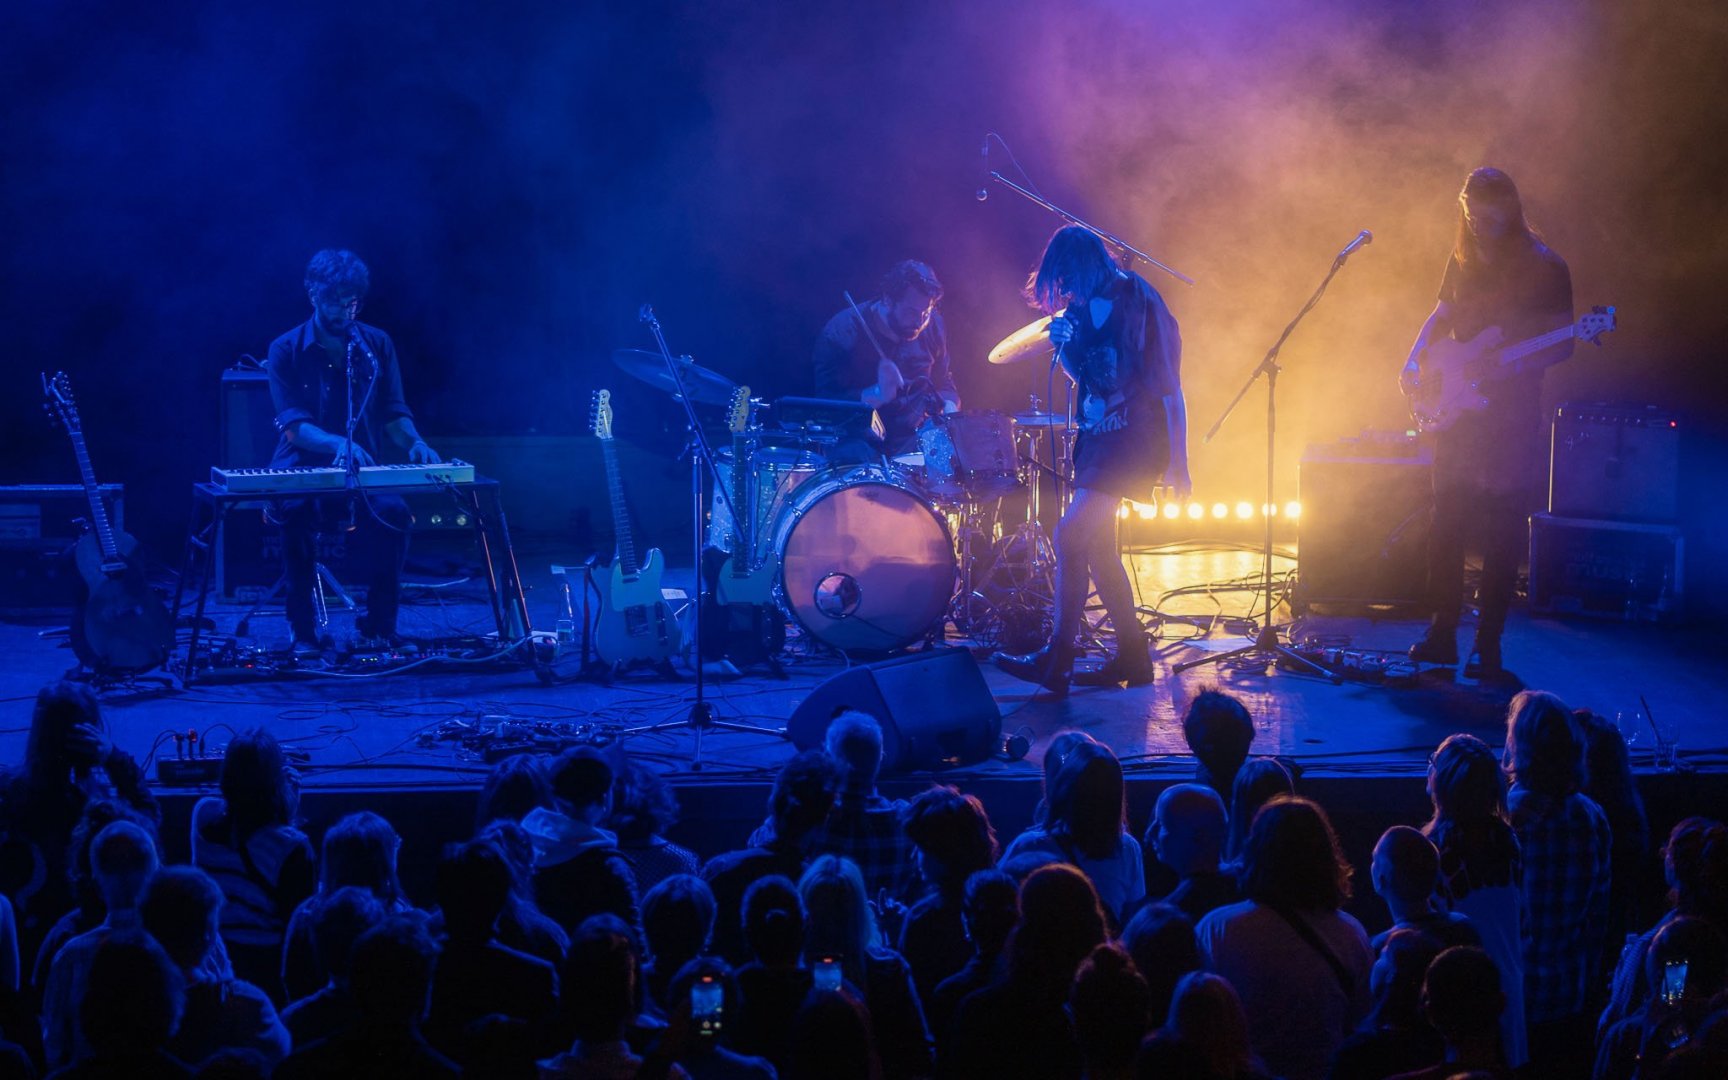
{"points": [[1451, 374]]}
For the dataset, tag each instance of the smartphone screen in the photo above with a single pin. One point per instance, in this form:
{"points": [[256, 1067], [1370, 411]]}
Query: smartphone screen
{"points": [[827, 973], [706, 1004], [1674, 981]]}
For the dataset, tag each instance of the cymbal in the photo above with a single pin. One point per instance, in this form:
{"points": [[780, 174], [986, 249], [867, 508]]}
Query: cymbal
{"points": [[704, 386], [1030, 340], [1041, 419]]}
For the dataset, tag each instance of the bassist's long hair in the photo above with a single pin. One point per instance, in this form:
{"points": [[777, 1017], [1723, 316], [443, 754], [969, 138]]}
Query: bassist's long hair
{"points": [[1491, 186]]}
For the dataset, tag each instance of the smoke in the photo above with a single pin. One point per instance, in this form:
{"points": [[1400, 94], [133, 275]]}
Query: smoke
{"points": [[522, 180]]}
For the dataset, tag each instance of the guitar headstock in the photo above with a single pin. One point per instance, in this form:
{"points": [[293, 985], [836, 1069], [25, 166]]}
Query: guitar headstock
{"points": [[1600, 321], [58, 403], [600, 415], [738, 410]]}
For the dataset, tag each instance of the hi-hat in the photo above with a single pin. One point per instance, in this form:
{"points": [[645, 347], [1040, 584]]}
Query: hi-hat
{"points": [[704, 386], [1030, 340], [1041, 419]]}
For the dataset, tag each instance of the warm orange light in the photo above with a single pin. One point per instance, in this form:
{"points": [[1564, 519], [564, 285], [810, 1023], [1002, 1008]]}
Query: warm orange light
{"points": [[1146, 511], [1219, 510], [1292, 509], [1244, 510], [1171, 510], [1196, 511]]}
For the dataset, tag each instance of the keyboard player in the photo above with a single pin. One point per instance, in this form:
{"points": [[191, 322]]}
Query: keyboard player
{"points": [[322, 372]]}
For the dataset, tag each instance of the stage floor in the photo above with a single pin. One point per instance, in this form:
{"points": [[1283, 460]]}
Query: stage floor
{"points": [[418, 727]]}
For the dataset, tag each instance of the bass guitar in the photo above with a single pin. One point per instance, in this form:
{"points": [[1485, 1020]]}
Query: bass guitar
{"points": [[634, 625], [1451, 374], [120, 626]]}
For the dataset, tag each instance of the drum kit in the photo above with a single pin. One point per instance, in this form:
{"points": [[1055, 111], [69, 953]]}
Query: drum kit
{"points": [[871, 557]]}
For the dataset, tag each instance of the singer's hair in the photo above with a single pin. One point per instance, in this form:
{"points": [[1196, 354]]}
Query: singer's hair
{"points": [[333, 269], [1491, 187], [1075, 263], [911, 274]]}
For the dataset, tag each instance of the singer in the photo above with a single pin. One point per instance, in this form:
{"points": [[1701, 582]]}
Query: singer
{"points": [[322, 372], [1486, 465], [896, 362], [1119, 343]]}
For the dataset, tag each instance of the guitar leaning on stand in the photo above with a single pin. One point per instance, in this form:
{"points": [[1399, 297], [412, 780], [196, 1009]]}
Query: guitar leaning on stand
{"points": [[635, 626], [119, 627], [744, 625], [1451, 373]]}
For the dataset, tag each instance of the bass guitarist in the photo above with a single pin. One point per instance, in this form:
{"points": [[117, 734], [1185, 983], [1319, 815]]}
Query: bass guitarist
{"points": [[1486, 464]]}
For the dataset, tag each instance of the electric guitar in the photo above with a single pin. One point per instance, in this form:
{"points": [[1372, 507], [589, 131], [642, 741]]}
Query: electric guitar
{"points": [[635, 625], [739, 582], [1451, 373], [120, 626]]}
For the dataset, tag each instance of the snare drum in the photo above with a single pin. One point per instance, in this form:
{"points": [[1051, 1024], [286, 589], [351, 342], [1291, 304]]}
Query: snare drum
{"points": [[970, 454], [865, 562]]}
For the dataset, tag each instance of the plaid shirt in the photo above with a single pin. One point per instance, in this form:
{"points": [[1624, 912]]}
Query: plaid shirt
{"points": [[864, 827], [1566, 876]]}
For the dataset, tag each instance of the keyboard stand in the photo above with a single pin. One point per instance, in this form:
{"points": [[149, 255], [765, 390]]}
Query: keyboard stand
{"points": [[211, 506]]}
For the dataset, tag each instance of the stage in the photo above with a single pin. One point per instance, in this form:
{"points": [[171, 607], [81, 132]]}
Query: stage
{"points": [[412, 743]]}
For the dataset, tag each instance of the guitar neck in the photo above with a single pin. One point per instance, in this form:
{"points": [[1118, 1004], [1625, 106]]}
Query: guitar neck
{"points": [[98, 513], [742, 523], [1511, 354], [620, 512]]}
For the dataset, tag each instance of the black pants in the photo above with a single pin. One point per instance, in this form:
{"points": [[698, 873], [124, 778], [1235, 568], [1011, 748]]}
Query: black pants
{"points": [[1482, 484], [380, 539]]}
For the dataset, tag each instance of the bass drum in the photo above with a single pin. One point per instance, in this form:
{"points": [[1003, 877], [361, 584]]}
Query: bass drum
{"points": [[865, 564]]}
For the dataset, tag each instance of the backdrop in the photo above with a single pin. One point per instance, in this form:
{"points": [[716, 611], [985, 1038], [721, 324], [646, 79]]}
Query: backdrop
{"points": [[522, 178]]}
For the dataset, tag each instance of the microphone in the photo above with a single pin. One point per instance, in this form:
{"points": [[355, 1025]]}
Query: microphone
{"points": [[1016, 746], [1363, 239], [355, 336], [983, 192]]}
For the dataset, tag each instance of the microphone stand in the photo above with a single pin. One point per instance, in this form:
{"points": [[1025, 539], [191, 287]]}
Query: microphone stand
{"points": [[1267, 645], [701, 718], [1129, 251], [350, 466]]}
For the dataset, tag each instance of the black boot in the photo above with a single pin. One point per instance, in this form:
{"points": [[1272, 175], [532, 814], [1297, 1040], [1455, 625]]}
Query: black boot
{"points": [[1438, 646], [1050, 667], [1132, 664], [1485, 660]]}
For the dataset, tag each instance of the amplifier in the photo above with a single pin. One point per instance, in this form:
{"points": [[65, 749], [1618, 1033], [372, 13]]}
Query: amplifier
{"points": [[1363, 535], [1614, 463], [39, 523], [248, 420], [1609, 569]]}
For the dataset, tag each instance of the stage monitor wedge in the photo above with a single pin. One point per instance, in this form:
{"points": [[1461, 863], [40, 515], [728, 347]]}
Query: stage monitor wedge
{"points": [[934, 708]]}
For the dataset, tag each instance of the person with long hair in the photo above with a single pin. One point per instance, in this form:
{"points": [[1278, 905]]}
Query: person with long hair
{"points": [[1256, 783], [1018, 1026], [1299, 962], [1504, 281], [1119, 343], [69, 762], [1086, 826], [1205, 1035], [952, 840], [359, 850], [247, 840], [1567, 846], [840, 924], [1481, 867]]}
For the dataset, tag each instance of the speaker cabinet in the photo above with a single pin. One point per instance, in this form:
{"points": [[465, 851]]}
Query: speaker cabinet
{"points": [[248, 420], [1608, 569], [934, 708], [1614, 463], [1363, 535]]}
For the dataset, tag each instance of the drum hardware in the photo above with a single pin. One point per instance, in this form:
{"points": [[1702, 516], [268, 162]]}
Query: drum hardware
{"points": [[825, 420]]}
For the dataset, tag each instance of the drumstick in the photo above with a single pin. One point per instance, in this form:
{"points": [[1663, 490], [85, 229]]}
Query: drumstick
{"points": [[853, 304]]}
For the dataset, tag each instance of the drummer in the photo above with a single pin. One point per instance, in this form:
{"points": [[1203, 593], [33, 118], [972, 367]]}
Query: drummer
{"points": [[891, 353]]}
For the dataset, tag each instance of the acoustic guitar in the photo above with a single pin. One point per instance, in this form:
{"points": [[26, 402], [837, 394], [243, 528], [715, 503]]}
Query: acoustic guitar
{"points": [[634, 625], [120, 626], [1451, 373]]}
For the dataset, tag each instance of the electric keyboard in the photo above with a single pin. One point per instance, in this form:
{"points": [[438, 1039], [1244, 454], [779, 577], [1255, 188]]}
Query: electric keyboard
{"points": [[330, 478]]}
